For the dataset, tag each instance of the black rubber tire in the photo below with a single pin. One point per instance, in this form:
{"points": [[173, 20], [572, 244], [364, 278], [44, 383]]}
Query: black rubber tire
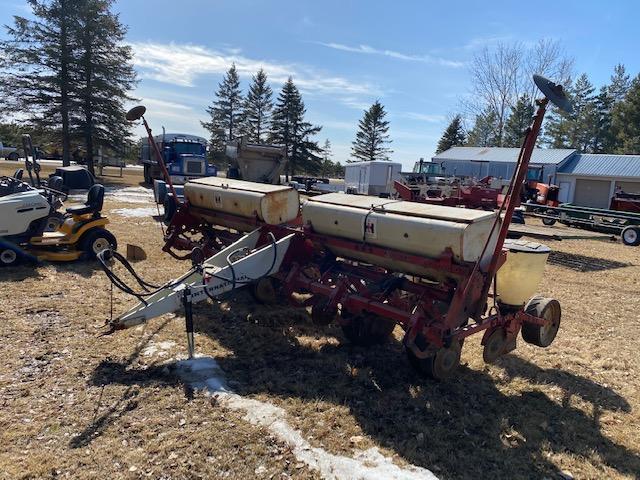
{"points": [[13, 156], [147, 174], [9, 258], [89, 239], [542, 307], [630, 235], [169, 208], [440, 366], [549, 221], [366, 329], [265, 291]]}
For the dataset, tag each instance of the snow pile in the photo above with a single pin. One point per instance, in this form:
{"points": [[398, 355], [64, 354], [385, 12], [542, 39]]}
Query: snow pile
{"points": [[121, 194], [137, 212], [204, 373]]}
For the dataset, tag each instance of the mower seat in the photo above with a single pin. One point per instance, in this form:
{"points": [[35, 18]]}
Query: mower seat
{"points": [[55, 183], [18, 174], [95, 198]]}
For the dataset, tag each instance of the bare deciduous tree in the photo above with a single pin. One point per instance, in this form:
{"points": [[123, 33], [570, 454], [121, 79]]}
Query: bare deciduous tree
{"points": [[502, 74]]}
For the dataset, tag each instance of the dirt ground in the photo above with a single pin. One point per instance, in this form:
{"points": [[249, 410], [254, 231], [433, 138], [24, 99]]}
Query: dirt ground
{"points": [[78, 405]]}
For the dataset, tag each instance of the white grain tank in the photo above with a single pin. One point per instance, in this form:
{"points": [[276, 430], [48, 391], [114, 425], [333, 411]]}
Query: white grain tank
{"points": [[272, 204], [409, 227], [518, 278]]}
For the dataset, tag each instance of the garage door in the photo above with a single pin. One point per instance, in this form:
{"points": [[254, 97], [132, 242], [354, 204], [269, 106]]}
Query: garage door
{"points": [[629, 187], [592, 193]]}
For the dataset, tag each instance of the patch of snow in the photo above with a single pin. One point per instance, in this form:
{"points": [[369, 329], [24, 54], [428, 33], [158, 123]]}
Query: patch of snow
{"points": [[121, 194], [204, 373], [160, 348], [137, 212]]}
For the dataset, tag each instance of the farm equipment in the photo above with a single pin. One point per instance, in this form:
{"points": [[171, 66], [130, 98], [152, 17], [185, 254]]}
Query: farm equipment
{"points": [[623, 223], [369, 264], [254, 162]]}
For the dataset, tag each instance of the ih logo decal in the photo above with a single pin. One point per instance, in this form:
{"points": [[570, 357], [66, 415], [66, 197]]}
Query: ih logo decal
{"points": [[371, 228]]}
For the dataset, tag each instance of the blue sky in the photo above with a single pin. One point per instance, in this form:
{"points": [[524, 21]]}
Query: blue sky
{"points": [[344, 55]]}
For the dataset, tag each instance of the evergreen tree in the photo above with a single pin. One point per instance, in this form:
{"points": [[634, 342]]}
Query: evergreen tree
{"points": [[604, 139], [37, 63], [372, 137], [257, 108], [105, 75], [225, 112], [620, 83], [485, 130], [582, 125], [289, 128], [327, 164], [453, 135], [626, 120], [518, 121]]}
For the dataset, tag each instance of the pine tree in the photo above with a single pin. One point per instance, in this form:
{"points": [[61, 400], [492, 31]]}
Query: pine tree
{"points": [[225, 112], [626, 120], [582, 125], [37, 63], [518, 121], [327, 164], [289, 128], [105, 75], [620, 83], [257, 108], [372, 137], [485, 130], [453, 135]]}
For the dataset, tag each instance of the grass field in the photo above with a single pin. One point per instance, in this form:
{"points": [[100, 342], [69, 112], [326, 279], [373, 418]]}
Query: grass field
{"points": [[77, 405]]}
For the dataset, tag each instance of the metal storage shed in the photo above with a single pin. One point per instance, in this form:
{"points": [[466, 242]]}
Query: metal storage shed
{"points": [[591, 179]]}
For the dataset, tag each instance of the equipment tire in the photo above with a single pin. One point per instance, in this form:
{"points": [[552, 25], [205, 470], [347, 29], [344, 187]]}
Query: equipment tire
{"points": [[9, 257], [265, 291], [169, 205], [631, 235], [366, 329], [549, 309], [147, 174], [439, 366], [96, 240], [549, 221], [13, 156]]}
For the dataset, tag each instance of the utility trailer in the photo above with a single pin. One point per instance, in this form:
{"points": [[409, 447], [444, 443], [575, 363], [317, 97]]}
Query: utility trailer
{"points": [[622, 223], [367, 263]]}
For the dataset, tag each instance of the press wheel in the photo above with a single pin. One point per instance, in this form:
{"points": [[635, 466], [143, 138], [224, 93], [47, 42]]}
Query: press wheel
{"points": [[542, 335], [494, 345], [265, 291]]}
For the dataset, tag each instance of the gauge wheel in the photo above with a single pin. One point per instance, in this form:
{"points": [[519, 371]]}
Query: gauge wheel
{"points": [[631, 235], [97, 240], [439, 366], [366, 329], [549, 309], [8, 257], [321, 314], [494, 345], [265, 291]]}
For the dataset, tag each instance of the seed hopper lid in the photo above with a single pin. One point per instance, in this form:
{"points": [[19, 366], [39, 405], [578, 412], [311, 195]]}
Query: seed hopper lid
{"points": [[525, 246]]}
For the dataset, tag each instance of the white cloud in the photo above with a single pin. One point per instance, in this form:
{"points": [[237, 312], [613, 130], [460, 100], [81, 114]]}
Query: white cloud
{"points": [[422, 117], [182, 64], [368, 50]]}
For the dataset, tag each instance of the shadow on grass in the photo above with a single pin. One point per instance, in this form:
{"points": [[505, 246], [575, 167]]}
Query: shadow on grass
{"points": [[468, 427], [583, 263], [107, 373]]}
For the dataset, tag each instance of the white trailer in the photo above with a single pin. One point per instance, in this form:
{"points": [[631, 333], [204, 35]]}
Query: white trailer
{"points": [[371, 178]]}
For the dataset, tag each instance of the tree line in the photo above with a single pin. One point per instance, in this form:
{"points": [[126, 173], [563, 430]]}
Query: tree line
{"points": [[68, 73], [259, 119], [503, 95]]}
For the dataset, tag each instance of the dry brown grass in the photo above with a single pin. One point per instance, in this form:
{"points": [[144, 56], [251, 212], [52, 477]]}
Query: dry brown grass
{"points": [[80, 406]]}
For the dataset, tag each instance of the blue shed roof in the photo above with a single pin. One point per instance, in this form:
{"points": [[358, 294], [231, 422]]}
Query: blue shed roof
{"points": [[552, 156], [602, 165]]}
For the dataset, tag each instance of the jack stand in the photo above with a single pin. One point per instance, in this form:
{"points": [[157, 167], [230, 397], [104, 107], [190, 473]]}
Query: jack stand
{"points": [[188, 317]]}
